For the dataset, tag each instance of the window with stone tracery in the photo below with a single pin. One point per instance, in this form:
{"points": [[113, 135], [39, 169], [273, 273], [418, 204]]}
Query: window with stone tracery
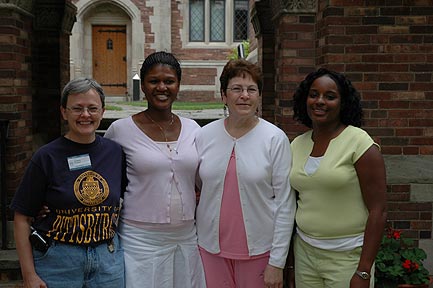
{"points": [[218, 21]]}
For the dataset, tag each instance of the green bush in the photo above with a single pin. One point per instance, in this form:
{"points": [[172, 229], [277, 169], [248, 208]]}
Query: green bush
{"points": [[234, 54]]}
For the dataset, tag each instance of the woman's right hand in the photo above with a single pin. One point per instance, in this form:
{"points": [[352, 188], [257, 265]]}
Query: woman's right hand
{"points": [[34, 281]]}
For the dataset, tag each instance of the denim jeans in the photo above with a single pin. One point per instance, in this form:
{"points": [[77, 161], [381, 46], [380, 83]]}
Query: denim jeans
{"points": [[73, 266]]}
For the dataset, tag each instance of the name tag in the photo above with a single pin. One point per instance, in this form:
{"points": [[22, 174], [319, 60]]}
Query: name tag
{"points": [[79, 162]]}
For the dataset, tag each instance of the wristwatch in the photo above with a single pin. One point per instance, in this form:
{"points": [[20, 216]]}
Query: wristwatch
{"points": [[364, 275]]}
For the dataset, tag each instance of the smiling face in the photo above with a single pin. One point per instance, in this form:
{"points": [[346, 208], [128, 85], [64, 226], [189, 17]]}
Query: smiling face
{"points": [[82, 126], [161, 86], [245, 102], [324, 102]]}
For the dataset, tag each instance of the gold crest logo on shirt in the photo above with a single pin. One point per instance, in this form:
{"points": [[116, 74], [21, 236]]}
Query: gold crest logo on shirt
{"points": [[91, 189]]}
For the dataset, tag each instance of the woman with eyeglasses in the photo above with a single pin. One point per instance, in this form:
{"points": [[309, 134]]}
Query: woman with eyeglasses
{"points": [[80, 177], [157, 227], [246, 209]]}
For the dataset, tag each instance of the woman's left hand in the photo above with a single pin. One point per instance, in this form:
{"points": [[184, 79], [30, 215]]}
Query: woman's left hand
{"points": [[273, 277], [358, 282]]}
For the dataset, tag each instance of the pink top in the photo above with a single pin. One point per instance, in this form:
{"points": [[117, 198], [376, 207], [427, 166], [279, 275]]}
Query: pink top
{"points": [[233, 239], [152, 172]]}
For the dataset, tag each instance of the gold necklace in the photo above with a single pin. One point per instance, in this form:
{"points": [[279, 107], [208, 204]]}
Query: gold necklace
{"points": [[162, 129]]}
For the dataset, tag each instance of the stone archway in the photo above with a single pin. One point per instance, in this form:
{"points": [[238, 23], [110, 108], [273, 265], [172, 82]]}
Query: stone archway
{"points": [[115, 12]]}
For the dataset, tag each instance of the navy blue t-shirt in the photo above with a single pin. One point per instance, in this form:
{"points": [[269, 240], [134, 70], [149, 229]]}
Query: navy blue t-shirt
{"points": [[80, 183]]}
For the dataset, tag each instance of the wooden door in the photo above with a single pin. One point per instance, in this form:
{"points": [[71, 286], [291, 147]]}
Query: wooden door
{"points": [[109, 58]]}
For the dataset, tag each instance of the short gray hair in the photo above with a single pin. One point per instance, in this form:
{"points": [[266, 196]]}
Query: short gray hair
{"points": [[81, 85]]}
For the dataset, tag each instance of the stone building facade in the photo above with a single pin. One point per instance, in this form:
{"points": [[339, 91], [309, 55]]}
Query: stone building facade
{"points": [[154, 26], [385, 47]]}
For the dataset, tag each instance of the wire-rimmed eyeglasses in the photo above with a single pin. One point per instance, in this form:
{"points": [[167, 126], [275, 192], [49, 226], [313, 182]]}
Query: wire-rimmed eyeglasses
{"points": [[78, 110], [237, 90]]}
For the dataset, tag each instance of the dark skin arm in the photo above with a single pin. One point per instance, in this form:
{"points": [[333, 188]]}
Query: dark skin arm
{"points": [[370, 169], [290, 266]]}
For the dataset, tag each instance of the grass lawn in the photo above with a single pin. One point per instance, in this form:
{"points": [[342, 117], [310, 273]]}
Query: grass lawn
{"points": [[113, 107], [177, 105]]}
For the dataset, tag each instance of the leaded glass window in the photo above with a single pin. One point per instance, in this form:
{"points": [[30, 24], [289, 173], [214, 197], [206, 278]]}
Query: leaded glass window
{"points": [[240, 20], [217, 20], [208, 20], [196, 20]]}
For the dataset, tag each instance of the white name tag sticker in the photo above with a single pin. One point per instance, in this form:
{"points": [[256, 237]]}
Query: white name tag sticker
{"points": [[79, 162]]}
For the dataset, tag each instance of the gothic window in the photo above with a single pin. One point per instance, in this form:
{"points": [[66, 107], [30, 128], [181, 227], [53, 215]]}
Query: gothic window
{"points": [[196, 20], [210, 19], [240, 20], [217, 21]]}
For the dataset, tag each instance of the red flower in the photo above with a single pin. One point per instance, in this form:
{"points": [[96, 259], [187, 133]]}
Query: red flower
{"points": [[406, 264], [395, 234], [410, 266], [398, 254]]}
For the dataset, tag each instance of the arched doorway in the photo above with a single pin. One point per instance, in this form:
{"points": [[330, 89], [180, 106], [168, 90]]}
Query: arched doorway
{"points": [[107, 43]]}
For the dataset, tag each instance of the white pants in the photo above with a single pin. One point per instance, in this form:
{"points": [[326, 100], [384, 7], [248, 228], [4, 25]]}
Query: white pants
{"points": [[161, 259]]}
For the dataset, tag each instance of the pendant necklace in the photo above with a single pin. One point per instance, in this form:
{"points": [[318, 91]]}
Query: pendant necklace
{"points": [[162, 129]]}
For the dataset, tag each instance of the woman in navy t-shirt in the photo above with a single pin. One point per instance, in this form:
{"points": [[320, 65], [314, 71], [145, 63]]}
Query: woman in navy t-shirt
{"points": [[80, 177]]}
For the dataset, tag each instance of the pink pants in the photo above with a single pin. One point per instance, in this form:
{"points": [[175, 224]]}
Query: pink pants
{"points": [[228, 273]]}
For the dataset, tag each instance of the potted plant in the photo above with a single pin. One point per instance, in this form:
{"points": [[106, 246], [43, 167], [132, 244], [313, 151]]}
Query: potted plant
{"points": [[399, 263]]}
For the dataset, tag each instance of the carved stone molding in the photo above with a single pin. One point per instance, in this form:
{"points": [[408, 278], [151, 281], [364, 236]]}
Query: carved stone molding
{"points": [[25, 6], [304, 6], [69, 18], [292, 7], [55, 16], [264, 12], [261, 17], [255, 20], [47, 17]]}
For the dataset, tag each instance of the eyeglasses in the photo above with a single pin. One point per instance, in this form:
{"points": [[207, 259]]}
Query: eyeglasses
{"points": [[237, 90], [80, 110]]}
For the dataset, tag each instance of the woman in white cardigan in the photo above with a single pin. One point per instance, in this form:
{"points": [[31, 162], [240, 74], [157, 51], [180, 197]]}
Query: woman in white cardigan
{"points": [[246, 209]]}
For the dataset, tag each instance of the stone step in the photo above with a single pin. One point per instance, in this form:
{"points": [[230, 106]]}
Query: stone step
{"points": [[11, 284], [9, 259], [10, 273]]}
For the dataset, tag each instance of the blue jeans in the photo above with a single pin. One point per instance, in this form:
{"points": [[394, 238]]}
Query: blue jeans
{"points": [[73, 266]]}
